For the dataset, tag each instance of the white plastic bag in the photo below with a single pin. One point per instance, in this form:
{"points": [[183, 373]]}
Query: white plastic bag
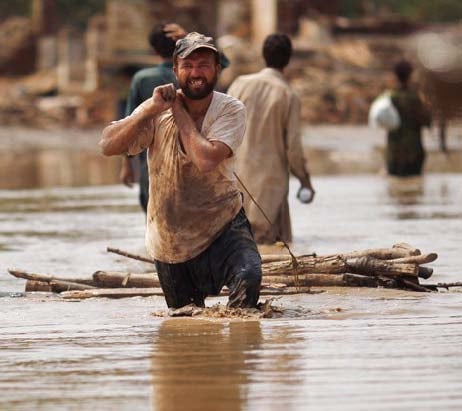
{"points": [[383, 113]]}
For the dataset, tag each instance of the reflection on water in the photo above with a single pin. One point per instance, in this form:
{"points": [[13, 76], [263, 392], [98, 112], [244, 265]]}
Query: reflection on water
{"points": [[56, 167], [414, 191], [203, 365], [406, 191], [349, 349]]}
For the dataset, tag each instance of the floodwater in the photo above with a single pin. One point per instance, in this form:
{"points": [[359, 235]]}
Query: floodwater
{"points": [[348, 349]]}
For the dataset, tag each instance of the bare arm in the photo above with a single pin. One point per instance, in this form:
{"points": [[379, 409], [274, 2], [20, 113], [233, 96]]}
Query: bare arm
{"points": [[205, 154], [118, 136]]}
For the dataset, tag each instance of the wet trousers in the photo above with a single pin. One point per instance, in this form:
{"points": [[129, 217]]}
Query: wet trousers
{"points": [[144, 181], [232, 260]]}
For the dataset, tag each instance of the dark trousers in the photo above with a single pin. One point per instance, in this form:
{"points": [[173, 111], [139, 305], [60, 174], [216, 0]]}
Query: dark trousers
{"points": [[232, 260], [144, 181]]}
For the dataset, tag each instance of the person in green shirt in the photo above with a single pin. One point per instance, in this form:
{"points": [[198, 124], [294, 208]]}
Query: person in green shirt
{"points": [[405, 154], [162, 39]]}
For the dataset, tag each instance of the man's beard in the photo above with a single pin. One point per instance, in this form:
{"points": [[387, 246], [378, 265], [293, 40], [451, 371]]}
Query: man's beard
{"points": [[198, 94]]}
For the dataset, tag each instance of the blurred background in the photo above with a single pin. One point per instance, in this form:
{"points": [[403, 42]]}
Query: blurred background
{"points": [[66, 65]]}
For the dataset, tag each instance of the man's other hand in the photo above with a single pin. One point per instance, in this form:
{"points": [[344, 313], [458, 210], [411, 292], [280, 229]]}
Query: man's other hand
{"points": [[127, 174], [174, 31], [305, 195], [163, 97]]}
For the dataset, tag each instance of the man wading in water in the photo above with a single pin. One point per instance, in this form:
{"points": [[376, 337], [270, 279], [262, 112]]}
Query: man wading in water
{"points": [[197, 231]]}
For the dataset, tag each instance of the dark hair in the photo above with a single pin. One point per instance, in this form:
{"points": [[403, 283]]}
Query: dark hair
{"points": [[403, 70], [163, 45], [277, 50]]}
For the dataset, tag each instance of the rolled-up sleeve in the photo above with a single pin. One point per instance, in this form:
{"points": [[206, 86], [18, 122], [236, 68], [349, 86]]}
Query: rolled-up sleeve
{"points": [[145, 135]]}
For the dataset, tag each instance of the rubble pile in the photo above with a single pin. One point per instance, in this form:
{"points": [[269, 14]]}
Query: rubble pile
{"points": [[338, 82]]}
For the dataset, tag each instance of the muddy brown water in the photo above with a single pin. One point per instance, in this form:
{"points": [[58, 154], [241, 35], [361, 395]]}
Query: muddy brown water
{"points": [[349, 349]]}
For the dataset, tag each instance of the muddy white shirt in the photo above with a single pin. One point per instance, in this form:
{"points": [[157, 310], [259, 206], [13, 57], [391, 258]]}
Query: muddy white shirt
{"points": [[187, 208]]}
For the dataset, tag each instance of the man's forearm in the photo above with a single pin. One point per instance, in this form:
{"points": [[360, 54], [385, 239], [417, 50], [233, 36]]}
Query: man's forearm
{"points": [[118, 136], [204, 154]]}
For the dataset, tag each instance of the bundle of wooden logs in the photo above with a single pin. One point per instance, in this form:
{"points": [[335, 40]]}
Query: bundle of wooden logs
{"points": [[397, 267]]}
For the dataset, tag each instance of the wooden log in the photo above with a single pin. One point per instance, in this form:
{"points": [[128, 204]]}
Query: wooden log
{"points": [[112, 293], [130, 255], [116, 279], [378, 253], [307, 265], [148, 292], [415, 287], [281, 291], [272, 258], [47, 278], [371, 266], [417, 259], [40, 286], [335, 264], [323, 280], [111, 279], [266, 258], [55, 286], [356, 280], [425, 272], [58, 286], [410, 249], [306, 280], [387, 282], [402, 253]]}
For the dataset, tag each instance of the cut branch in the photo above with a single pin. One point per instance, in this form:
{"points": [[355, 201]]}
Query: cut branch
{"points": [[410, 249], [115, 279], [130, 255], [47, 278], [417, 259], [37, 286], [148, 292]]}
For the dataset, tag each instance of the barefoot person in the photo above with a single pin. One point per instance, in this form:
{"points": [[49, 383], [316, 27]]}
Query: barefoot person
{"points": [[197, 231]]}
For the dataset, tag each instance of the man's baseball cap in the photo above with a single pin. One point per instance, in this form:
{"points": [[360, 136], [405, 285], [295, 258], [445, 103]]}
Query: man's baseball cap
{"points": [[191, 42]]}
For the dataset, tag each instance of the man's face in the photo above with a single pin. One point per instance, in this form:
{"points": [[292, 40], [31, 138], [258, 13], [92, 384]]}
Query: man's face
{"points": [[197, 74]]}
